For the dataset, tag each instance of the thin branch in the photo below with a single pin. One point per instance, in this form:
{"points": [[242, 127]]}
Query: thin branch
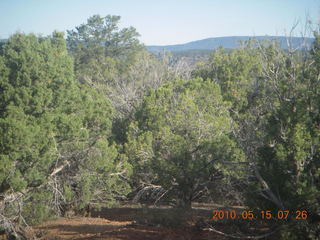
{"points": [[210, 228]]}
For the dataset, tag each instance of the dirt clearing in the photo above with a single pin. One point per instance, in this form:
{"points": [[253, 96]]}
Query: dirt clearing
{"points": [[124, 223]]}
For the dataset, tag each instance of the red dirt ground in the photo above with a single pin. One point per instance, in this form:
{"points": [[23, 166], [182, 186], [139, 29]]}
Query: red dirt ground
{"points": [[95, 228], [120, 224]]}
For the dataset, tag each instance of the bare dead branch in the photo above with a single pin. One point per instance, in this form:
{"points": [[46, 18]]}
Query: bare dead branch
{"points": [[212, 229]]}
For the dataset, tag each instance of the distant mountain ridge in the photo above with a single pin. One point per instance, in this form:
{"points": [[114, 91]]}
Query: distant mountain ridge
{"points": [[230, 43]]}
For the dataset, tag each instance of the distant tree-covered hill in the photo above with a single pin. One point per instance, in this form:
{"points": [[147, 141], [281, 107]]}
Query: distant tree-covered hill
{"points": [[231, 43]]}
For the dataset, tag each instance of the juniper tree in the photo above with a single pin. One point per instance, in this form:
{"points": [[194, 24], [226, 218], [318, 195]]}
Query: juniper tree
{"points": [[54, 146], [181, 137], [101, 50], [276, 111]]}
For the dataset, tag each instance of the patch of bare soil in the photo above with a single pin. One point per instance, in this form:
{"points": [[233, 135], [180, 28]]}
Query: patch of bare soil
{"points": [[121, 223]]}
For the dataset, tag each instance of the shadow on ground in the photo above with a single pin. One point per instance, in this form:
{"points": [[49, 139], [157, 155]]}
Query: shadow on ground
{"points": [[129, 223]]}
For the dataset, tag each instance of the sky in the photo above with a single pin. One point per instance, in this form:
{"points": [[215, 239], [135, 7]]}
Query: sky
{"points": [[162, 22]]}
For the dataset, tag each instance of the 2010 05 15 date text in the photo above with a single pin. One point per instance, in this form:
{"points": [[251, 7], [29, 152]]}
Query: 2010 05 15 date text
{"points": [[262, 214]]}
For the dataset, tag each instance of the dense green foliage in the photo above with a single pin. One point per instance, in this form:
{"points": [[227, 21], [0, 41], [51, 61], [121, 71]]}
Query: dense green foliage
{"points": [[54, 133], [275, 102], [37, 86], [101, 51], [290, 155], [181, 137]]}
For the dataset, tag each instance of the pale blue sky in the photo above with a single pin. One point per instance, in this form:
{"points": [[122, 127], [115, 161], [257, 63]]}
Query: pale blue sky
{"points": [[164, 21]]}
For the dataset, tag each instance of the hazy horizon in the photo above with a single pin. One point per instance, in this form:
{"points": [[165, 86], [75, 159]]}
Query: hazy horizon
{"points": [[165, 22], [231, 36]]}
